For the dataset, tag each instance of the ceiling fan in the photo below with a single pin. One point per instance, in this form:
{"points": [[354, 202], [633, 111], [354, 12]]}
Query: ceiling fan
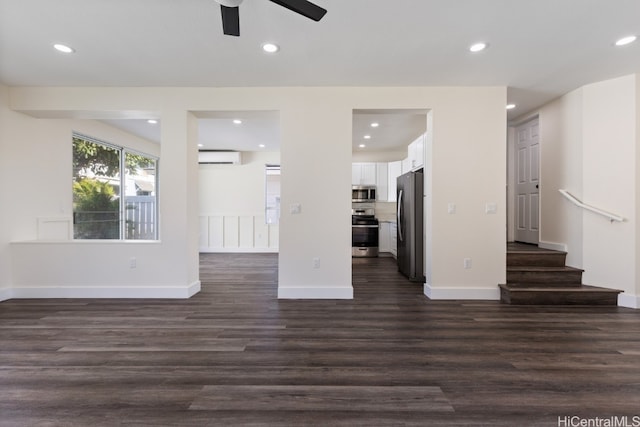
{"points": [[231, 15]]}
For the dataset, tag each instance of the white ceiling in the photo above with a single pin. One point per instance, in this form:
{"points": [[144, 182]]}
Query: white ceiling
{"points": [[539, 50]]}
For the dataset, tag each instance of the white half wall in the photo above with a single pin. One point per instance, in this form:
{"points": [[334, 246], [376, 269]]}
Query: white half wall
{"points": [[90, 269]]}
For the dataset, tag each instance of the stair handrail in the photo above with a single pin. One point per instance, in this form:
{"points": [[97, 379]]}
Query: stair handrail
{"points": [[577, 202]]}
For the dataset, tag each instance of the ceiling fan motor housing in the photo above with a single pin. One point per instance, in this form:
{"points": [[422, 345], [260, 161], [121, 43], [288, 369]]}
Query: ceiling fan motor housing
{"points": [[229, 3]]}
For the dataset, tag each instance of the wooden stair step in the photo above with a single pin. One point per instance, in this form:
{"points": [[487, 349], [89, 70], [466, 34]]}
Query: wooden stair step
{"points": [[570, 295], [536, 274], [543, 285], [537, 258]]}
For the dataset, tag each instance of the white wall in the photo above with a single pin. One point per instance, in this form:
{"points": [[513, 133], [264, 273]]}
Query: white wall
{"points": [[589, 139], [232, 206], [5, 182], [561, 154], [235, 188], [609, 182], [637, 197], [40, 153], [466, 166], [316, 174], [379, 156]]}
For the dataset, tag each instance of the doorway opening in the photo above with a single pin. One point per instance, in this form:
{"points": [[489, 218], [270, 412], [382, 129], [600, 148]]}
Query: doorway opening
{"points": [[386, 144], [239, 155]]}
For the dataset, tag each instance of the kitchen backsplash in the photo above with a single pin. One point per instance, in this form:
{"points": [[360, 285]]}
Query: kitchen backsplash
{"points": [[386, 211]]}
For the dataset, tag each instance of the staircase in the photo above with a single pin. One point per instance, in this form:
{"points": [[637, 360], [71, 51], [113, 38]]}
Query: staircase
{"points": [[540, 276]]}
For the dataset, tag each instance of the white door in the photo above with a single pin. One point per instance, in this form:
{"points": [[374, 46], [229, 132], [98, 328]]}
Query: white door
{"points": [[527, 183]]}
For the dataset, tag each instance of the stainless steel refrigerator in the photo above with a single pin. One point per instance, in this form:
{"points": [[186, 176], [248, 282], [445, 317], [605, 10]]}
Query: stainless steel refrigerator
{"points": [[410, 217]]}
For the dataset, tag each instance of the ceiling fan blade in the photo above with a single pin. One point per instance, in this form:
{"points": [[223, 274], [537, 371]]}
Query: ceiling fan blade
{"points": [[230, 20], [303, 7]]}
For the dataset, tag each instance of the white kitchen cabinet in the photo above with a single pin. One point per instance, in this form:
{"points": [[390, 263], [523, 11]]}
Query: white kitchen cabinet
{"points": [[394, 170], [415, 153], [382, 182], [393, 237], [387, 241], [363, 174], [406, 165], [384, 237]]}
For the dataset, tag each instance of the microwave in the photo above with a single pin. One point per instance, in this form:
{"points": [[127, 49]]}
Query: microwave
{"points": [[363, 193]]}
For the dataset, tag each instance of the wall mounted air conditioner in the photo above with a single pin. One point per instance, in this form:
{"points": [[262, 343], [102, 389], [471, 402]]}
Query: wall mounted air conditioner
{"points": [[214, 157]]}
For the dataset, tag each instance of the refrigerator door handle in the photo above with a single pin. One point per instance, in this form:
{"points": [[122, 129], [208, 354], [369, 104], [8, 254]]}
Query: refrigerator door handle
{"points": [[399, 216]]}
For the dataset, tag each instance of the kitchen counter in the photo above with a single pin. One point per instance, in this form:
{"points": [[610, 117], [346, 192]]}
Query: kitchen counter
{"points": [[391, 220]]}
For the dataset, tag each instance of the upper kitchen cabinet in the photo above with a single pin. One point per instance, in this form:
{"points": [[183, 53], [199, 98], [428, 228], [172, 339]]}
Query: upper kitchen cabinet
{"points": [[382, 182], [373, 174], [364, 174], [394, 170], [415, 154]]}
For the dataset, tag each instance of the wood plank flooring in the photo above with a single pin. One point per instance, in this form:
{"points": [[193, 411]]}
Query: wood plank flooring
{"points": [[234, 355]]}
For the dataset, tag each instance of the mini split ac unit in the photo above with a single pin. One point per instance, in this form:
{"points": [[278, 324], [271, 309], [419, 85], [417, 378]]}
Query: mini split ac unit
{"points": [[213, 157]]}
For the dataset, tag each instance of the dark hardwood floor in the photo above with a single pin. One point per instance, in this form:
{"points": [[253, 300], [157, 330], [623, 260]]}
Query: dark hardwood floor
{"points": [[234, 355]]}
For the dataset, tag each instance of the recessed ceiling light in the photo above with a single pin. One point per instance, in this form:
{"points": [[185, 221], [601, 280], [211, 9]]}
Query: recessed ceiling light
{"points": [[361, 145], [261, 146], [63, 48], [375, 124], [477, 47], [367, 137], [511, 106], [237, 121], [200, 145], [152, 121], [626, 40], [270, 47]]}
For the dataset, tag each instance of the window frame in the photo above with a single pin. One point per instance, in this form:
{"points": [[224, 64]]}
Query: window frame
{"points": [[122, 178]]}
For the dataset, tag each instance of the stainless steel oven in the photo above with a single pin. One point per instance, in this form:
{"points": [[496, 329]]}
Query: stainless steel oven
{"points": [[364, 234]]}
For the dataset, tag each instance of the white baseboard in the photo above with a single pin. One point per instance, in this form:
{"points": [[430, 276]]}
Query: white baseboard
{"points": [[239, 250], [562, 247], [462, 293], [5, 294], [162, 292], [628, 300], [315, 293]]}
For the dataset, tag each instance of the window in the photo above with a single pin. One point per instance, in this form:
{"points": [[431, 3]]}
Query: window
{"points": [[272, 194], [114, 192]]}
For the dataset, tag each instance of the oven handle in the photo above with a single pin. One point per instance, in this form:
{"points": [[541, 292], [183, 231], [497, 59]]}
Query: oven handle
{"points": [[365, 226]]}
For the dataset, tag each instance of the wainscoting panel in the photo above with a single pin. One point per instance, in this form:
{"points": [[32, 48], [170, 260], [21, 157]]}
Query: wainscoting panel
{"points": [[237, 233], [231, 231], [246, 231], [216, 231]]}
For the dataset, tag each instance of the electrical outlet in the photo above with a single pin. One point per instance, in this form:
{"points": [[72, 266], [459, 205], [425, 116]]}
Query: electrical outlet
{"points": [[316, 262], [490, 208], [451, 208], [133, 262], [467, 263]]}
